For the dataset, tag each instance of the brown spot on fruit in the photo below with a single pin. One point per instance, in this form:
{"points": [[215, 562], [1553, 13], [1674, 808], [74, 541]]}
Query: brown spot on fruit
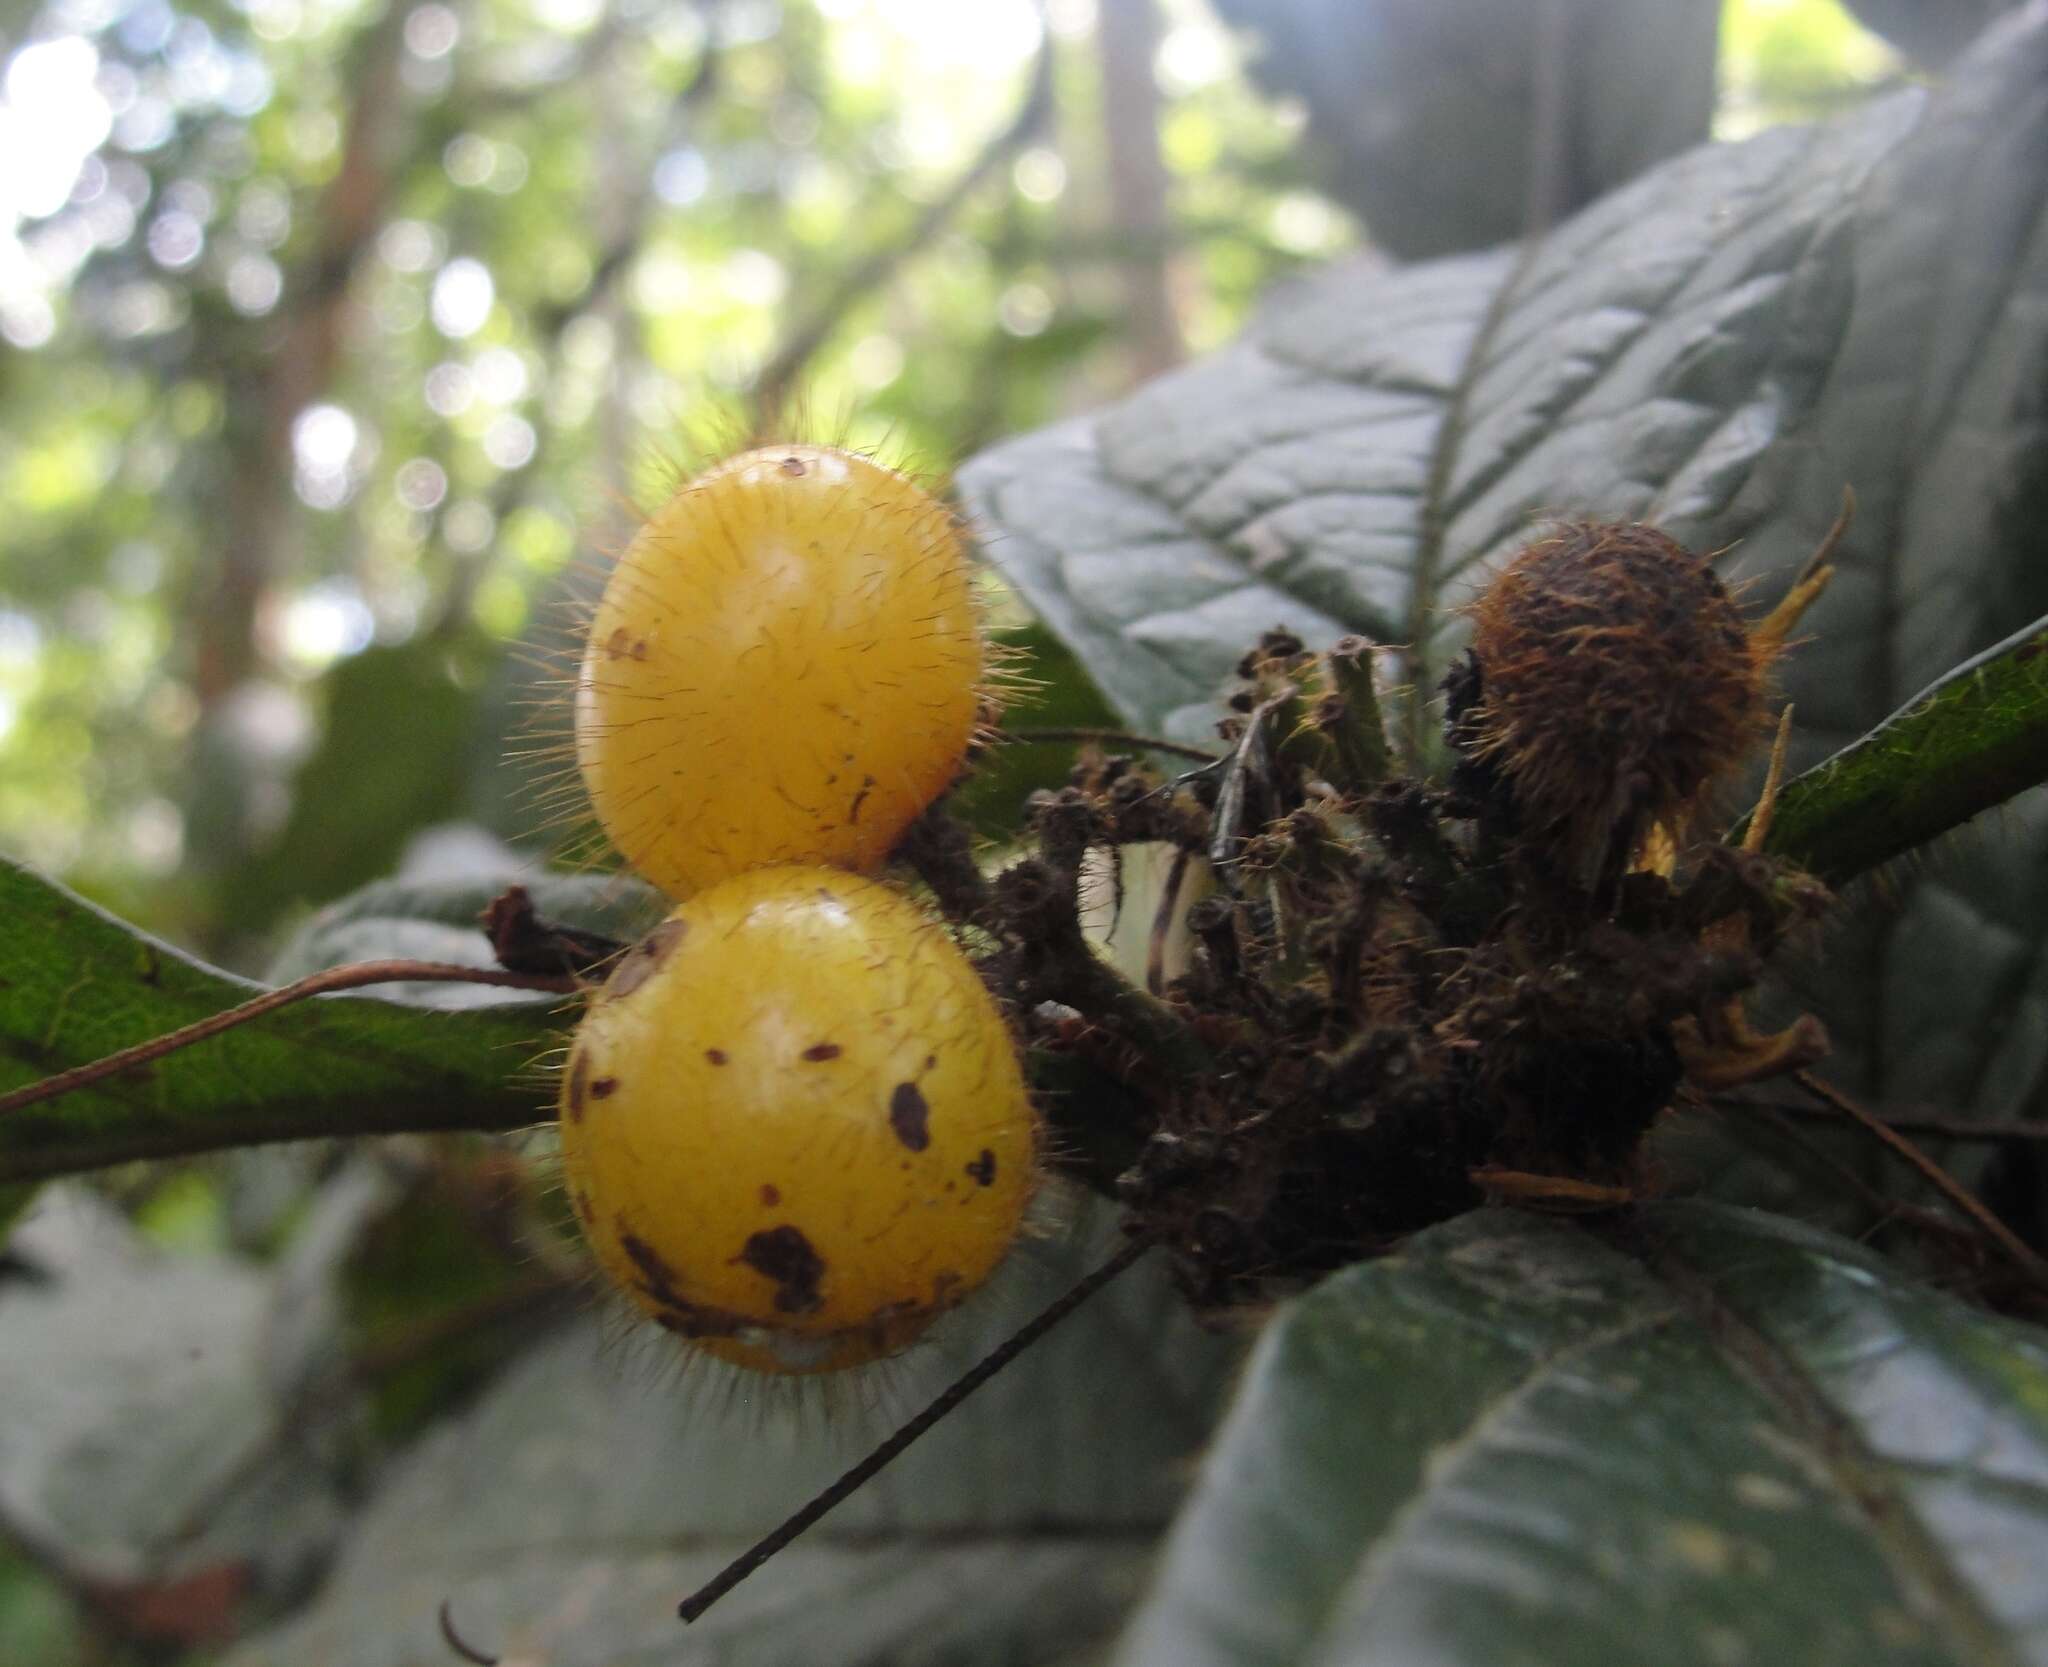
{"points": [[615, 644], [579, 1078], [645, 958], [716, 1056], [694, 1319], [771, 1194], [910, 1116], [793, 467], [982, 1171], [785, 1256], [867, 786], [656, 1277], [603, 1088], [674, 1311], [818, 1052]]}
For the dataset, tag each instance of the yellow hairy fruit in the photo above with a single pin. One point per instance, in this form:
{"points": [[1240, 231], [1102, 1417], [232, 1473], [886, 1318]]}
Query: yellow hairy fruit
{"points": [[784, 667], [794, 1123]]}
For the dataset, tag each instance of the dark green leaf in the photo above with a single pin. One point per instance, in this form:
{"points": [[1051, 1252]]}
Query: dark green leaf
{"points": [[1718, 348], [1716, 1437], [76, 985], [1972, 741], [1359, 458]]}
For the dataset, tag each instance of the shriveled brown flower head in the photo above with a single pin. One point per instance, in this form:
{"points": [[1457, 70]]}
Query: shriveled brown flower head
{"points": [[1615, 682]]}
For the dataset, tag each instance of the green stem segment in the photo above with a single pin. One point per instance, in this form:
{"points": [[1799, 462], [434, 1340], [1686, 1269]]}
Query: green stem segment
{"points": [[1965, 744]]}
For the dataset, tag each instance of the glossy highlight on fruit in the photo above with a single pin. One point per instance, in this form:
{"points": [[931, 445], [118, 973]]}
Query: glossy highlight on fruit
{"points": [[784, 667], [794, 1126]]}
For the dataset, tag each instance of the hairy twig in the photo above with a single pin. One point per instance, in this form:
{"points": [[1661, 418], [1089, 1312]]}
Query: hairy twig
{"points": [[2014, 1248], [1780, 1119], [1989, 1131], [355, 977], [940, 851]]}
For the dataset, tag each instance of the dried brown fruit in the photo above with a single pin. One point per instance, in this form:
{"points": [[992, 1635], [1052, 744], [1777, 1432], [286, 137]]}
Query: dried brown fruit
{"points": [[1611, 681]]}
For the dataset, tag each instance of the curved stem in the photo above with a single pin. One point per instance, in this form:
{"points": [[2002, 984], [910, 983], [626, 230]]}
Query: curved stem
{"points": [[353, 977], [2015, 1249]]}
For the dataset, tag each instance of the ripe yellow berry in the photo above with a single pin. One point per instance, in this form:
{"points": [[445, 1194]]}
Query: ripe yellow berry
{"points": [[784, 668], [794, 1125]]}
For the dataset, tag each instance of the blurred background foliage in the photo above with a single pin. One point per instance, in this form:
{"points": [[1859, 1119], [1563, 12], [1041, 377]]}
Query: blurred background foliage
{"points": [[338, 338], [333, 334]]}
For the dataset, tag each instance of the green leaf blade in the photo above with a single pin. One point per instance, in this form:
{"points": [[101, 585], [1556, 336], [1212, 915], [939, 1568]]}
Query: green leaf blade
{"points": [[1518, 1443], [77, 984]]}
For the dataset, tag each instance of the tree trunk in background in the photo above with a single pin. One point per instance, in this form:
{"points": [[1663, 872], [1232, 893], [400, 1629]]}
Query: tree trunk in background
{"points": [[1454, 124], [1127, 36], [307, 342]]}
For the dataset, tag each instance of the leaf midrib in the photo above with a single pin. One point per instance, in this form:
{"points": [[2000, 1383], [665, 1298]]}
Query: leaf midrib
{"points": [[1854, 1474], [1444, 1460]]}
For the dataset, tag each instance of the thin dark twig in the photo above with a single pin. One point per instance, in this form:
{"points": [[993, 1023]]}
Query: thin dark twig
{"points": [[868, 274], [1993, 1131], [454, 1640], [1780, 1117], [965, 1385], [2015, 1248], [353, 977], [1034, 733]]}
